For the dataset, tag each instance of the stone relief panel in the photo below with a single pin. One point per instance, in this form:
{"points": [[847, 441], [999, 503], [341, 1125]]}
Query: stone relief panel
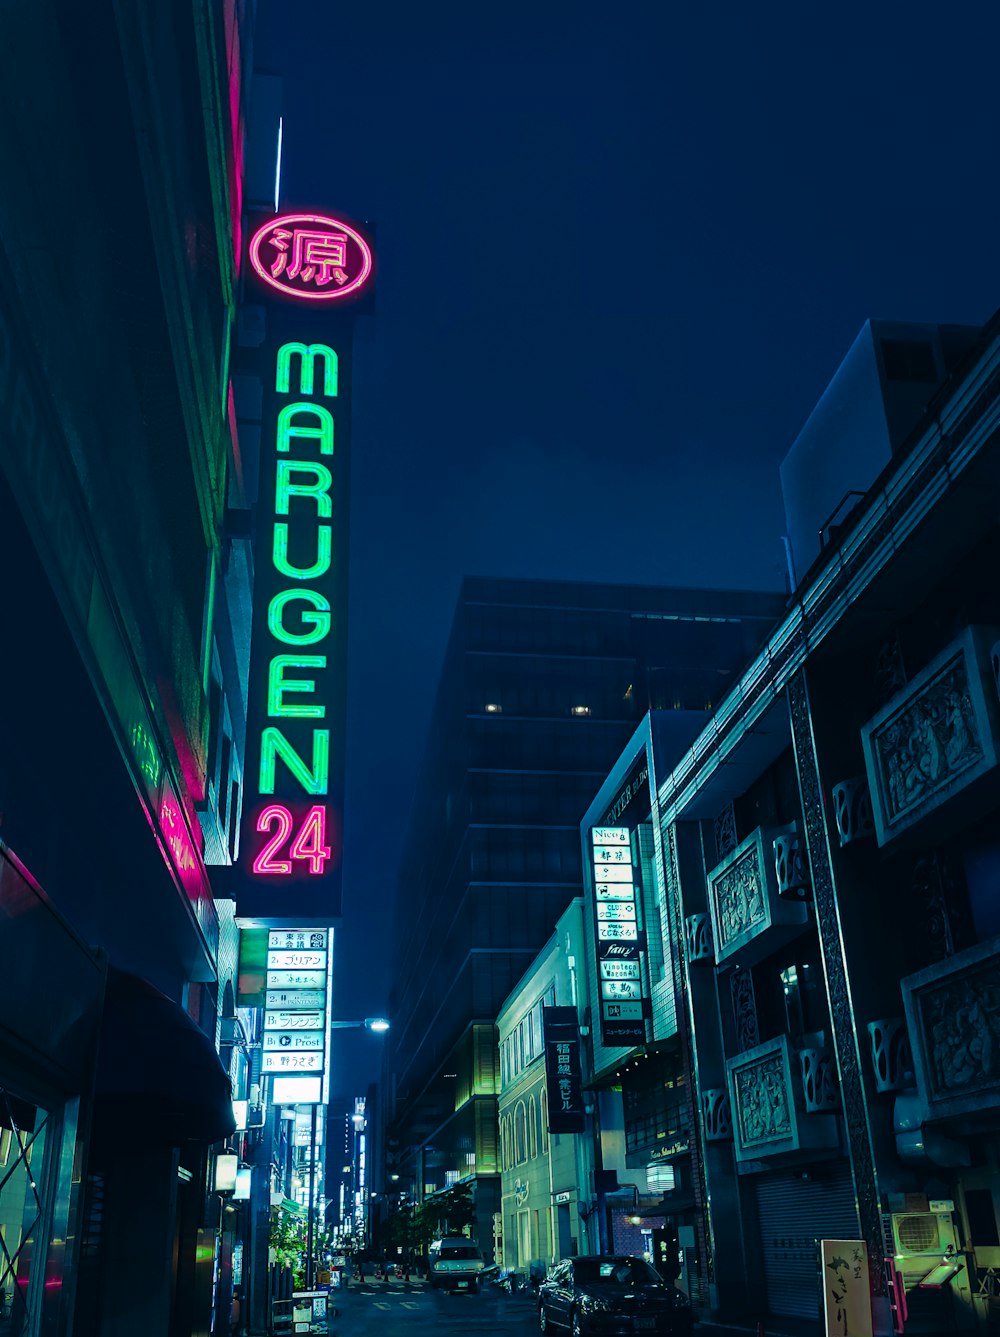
{"points": [[953, 1016], [762, 1096], [763, 1106], [933, 739], [745, 904], [740, 895], [768, 1109]]}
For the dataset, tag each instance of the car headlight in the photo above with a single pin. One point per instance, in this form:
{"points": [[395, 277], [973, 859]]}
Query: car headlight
{"points": [[594, 1304]]}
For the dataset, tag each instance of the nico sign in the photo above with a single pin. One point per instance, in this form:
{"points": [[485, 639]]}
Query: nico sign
{"points": [[618, 937]]}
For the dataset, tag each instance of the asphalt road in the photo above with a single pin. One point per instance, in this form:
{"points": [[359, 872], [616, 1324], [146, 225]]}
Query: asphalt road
{"points": [[399, 1309]]}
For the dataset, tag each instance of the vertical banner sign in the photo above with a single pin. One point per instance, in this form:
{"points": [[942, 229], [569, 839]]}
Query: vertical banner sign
{"points": [[290, 847], [847, 1307], [618, 937], [296, 1002], [563, 1077]]}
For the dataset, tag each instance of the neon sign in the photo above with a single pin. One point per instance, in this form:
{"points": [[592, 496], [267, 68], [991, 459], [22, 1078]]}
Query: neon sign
{"points": [[311, 256], [292, 749], [293, 772]]}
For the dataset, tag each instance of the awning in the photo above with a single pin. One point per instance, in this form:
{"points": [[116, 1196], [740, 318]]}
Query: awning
{"points": [[159, 1077]]}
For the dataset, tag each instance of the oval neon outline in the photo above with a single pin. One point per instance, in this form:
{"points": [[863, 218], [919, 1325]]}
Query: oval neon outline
{"points": [[263, 273]]}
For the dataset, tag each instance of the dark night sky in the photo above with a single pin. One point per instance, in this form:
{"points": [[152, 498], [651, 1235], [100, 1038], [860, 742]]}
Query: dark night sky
{"points": [[622, 249]]}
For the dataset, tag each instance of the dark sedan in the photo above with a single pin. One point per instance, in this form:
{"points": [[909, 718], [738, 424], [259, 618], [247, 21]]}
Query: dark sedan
{"points": [[610, 1295]]}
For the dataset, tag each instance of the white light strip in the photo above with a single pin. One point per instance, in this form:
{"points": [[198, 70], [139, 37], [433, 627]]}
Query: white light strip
{"points": [[277, 166]]}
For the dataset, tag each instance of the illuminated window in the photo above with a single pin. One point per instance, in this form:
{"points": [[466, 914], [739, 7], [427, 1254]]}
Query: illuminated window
{"points": [[580, 710], [659, 1178]]}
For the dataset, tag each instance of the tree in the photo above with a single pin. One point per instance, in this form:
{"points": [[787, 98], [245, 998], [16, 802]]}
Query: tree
{"points": [[453, 1211]]}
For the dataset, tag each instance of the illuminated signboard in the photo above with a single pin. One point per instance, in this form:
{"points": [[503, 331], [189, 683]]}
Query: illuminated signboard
{"points": [[618, 936], [297, 1019], [290, 845], [312, 257], [563, 1076]]}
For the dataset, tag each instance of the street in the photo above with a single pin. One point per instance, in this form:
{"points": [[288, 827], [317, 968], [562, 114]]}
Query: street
{"points": [[376, 1309]]}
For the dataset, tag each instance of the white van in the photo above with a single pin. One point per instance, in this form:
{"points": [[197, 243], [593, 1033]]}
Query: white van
{"points": [[454, 1264]]}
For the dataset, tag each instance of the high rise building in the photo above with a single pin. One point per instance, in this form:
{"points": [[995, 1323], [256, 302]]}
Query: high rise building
{"points": [[543, 683]]}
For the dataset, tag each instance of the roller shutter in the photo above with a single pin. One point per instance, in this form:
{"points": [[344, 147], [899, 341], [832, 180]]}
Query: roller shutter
{"points": [[792, 1215]]}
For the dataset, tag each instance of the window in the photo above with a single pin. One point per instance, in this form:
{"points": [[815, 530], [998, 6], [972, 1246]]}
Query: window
{"points": [[520, 1133], [532, 1128]]}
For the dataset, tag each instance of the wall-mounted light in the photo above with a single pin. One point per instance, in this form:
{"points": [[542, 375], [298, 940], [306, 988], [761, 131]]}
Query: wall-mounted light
{"points": [[493, 708], [579, 710], [227, 1163]]}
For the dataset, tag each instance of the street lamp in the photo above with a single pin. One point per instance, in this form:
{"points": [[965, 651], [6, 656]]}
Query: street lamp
{"points": [[378, 1025]]}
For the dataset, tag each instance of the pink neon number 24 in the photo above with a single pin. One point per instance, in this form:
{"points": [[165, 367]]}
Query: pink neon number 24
{"points": [[310, 843]]}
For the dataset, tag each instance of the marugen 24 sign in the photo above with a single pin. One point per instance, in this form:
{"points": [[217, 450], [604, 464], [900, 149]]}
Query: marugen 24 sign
{"points": [[290, 848]]}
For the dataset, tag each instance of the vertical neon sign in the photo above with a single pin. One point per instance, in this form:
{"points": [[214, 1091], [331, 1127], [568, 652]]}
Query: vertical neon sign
{"points": [[296, 721], [299, 615]]}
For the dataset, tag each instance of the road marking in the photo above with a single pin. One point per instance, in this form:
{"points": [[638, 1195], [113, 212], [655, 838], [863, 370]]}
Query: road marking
{"points": [[408, 1304], [379, 1304]]}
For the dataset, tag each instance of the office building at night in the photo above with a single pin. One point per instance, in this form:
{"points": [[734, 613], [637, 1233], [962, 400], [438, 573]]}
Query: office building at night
{"points": [[543, 683]]}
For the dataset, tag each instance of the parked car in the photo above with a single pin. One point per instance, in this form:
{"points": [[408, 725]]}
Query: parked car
{"points": [[611, 1294], [454, 1264]]}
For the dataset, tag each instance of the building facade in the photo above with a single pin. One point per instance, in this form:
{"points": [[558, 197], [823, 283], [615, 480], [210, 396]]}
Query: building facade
{"points": [[120, 701], [542, 685], [546, 1202], [814, 885]]}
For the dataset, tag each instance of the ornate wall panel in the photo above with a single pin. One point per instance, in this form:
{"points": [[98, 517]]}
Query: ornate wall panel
{"points": [[934, 738], [767, 1107], [953, 1017], [749, 918]]}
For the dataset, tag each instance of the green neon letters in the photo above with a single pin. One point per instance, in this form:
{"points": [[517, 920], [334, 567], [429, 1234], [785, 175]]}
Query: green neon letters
{"points": [[301, 551], [318, 622], [279, 553], [289, 431], [308, 353], [314, 778], [278, 685], [318, 489]]}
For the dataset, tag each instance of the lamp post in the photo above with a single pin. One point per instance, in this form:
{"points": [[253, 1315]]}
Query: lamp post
{"points": [[379, 1025]]}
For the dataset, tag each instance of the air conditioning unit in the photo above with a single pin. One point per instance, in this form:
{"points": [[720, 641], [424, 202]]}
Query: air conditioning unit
{"points": [[922, 1237]]}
